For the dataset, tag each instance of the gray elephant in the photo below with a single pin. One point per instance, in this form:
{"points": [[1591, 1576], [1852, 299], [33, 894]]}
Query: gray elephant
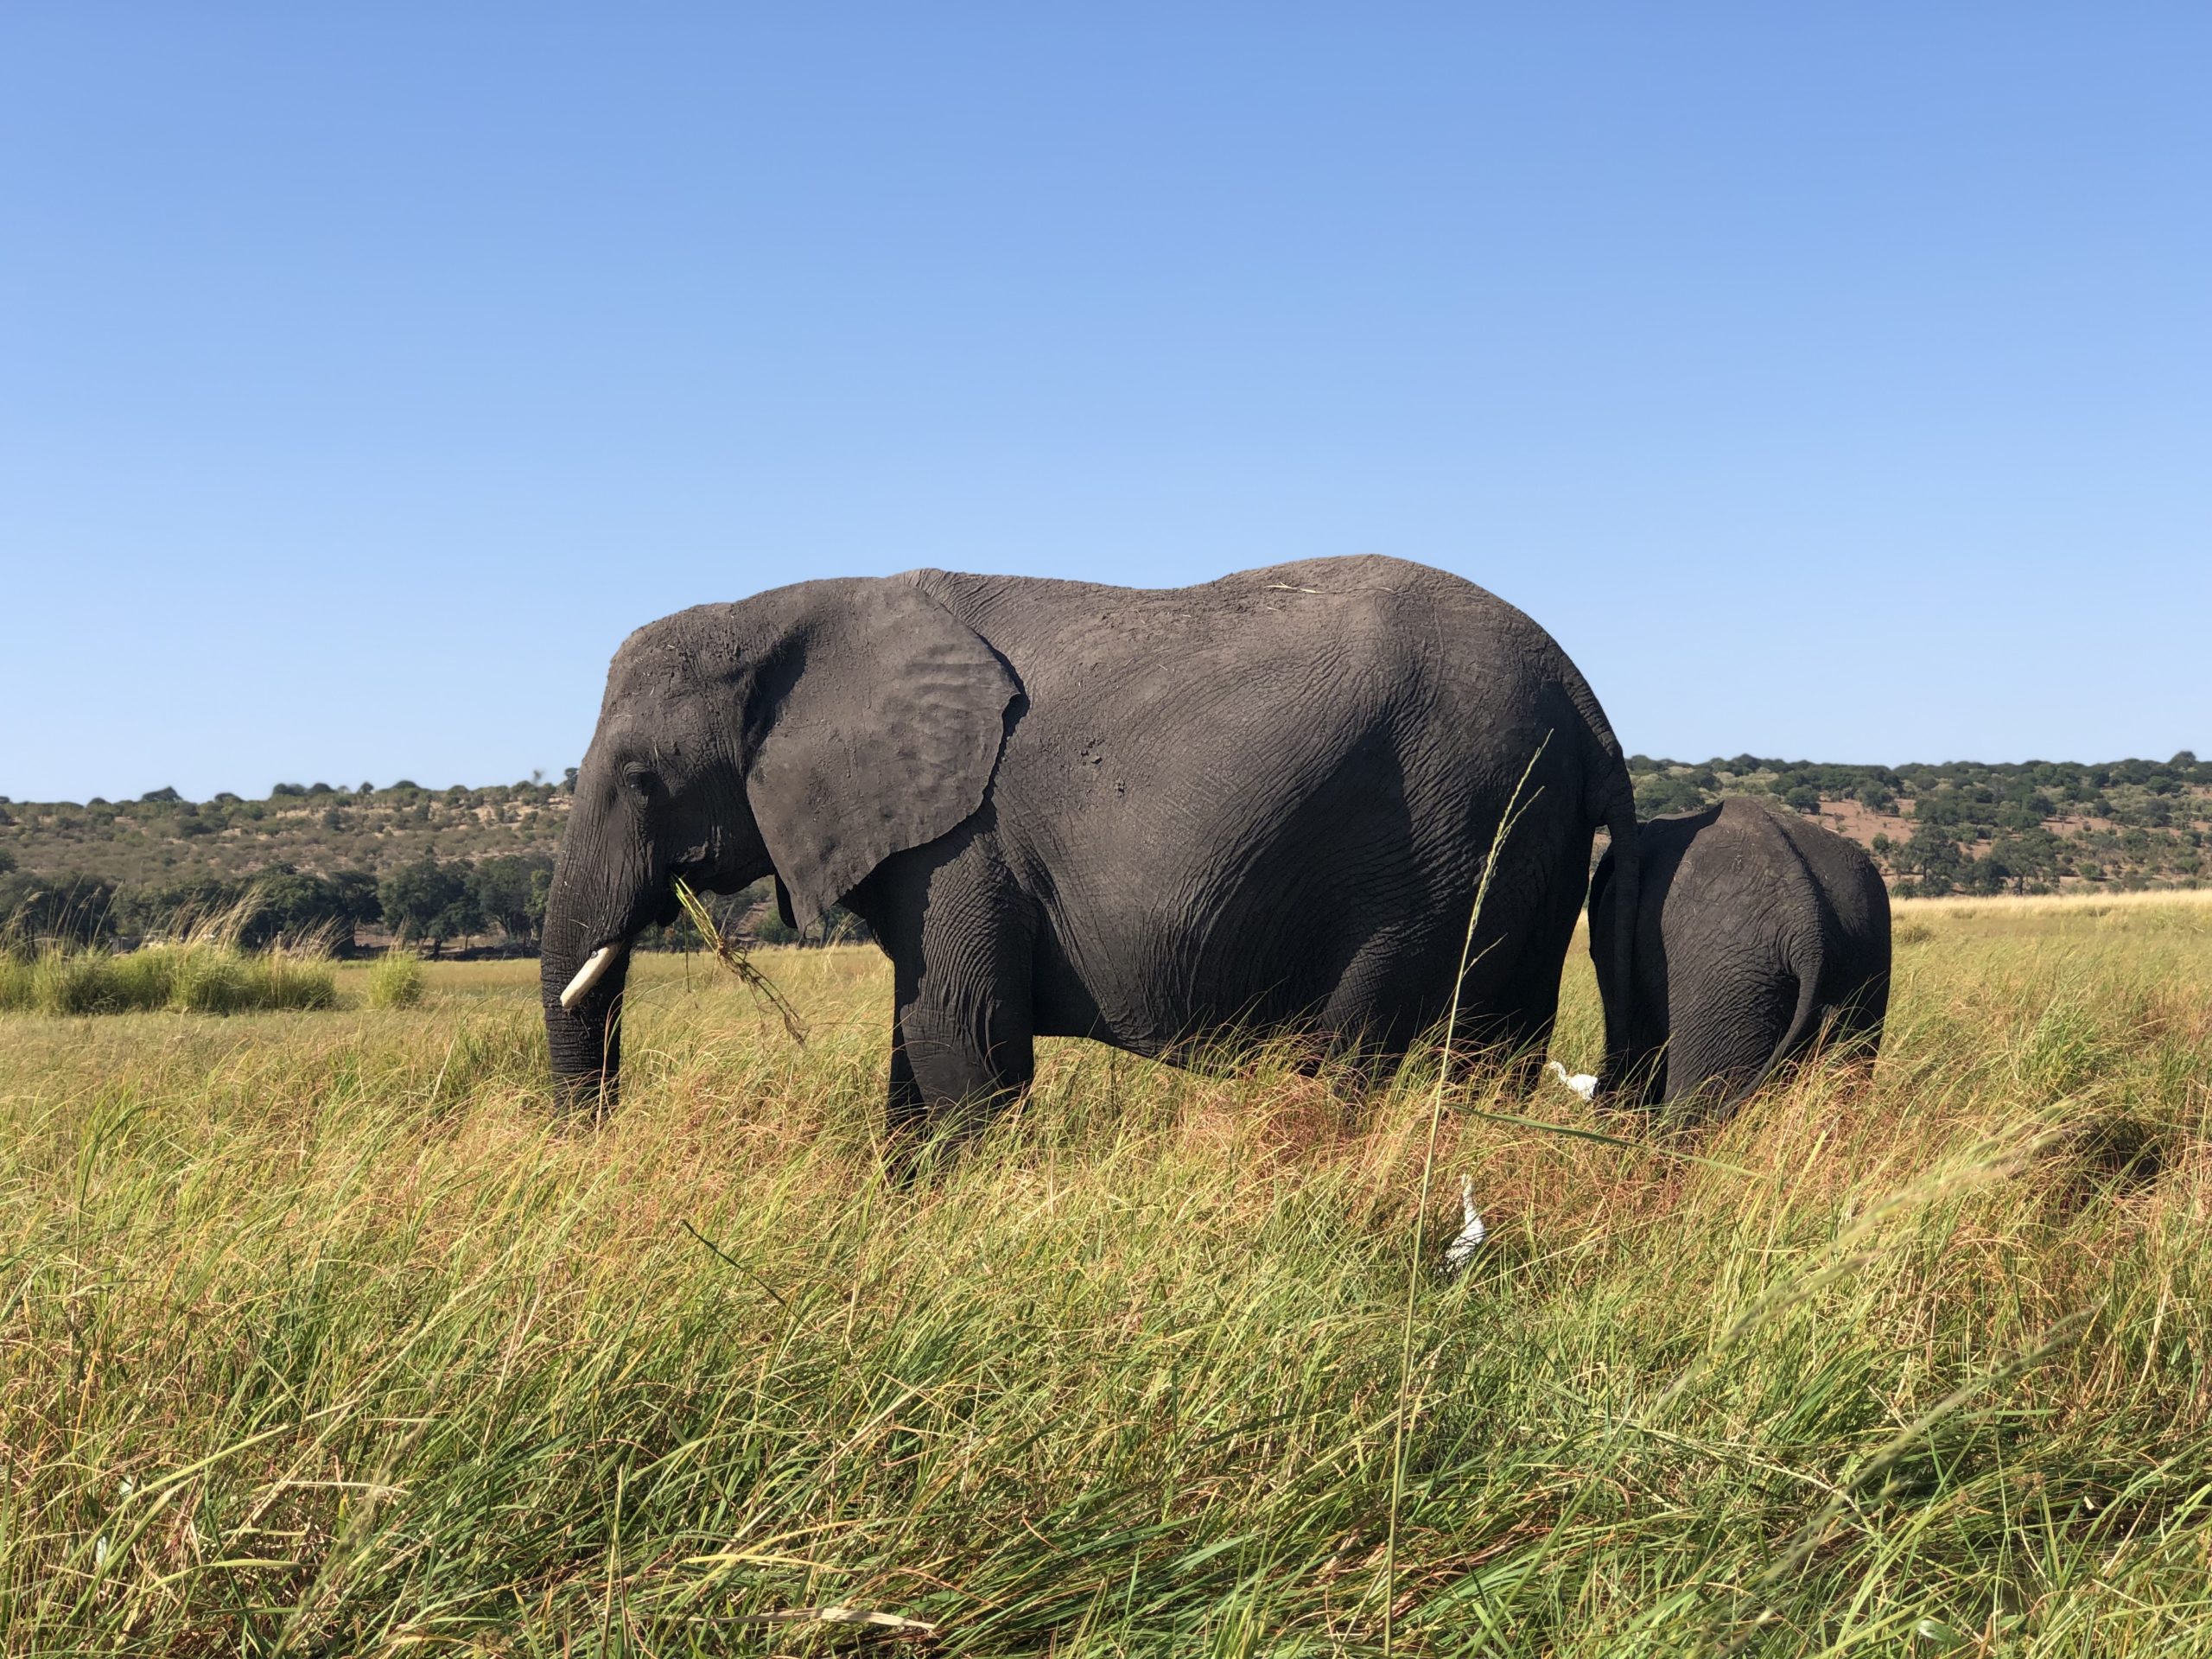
{"points": [[1148, 816], [1757, 932]]}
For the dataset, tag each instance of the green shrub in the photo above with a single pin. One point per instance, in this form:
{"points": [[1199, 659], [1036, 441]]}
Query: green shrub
{"points": [[15, 983], [289, 979], [201, 976], [396, 980], [143, 979], [210, 981], [65, 980]]}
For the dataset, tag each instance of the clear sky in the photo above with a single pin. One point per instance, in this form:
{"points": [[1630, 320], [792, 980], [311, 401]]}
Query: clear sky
{"points": [[1834, 382]]}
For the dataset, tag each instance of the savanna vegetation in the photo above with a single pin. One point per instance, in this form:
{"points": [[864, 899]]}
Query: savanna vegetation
{"points": [[469, 869], [320, 1333], [200, 975], [163, 838], [2037, 826], [461, 868]]}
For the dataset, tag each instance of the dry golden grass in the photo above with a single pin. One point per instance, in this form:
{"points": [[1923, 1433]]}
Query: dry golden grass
{"points": [[318, 1332], [2025, 909]]}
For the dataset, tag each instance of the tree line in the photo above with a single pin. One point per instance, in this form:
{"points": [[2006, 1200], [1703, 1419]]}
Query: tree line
{"points": [[1972, 828], [458, 864], [428, 903]]}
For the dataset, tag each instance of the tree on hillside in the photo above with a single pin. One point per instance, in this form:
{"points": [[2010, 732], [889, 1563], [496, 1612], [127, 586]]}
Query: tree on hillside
{"points": [[507, 894], [67, 909], [1667, 793], [279, 905], [1933, 856], [288, 906], [357, 899], [169, 908], [428, 902]]}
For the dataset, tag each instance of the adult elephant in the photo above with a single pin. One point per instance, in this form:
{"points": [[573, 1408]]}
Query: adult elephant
{"points": [[1757, 932], [1148, 816]]}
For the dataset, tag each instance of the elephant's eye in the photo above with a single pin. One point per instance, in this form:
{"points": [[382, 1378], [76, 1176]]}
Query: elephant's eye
{"points": [[641, 781]]}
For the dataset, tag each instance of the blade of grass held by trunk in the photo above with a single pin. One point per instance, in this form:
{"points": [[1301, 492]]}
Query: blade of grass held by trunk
{"points": [[735, 959]]}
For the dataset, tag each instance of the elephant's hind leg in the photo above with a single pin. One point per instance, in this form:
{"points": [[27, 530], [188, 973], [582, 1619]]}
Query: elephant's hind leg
{"points": [[1509, 1011], [1729, 1026]]}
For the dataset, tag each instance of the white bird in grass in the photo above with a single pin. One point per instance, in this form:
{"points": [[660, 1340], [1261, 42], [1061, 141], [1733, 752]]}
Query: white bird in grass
{"points": [[1471, 1235], [1581, 1082]]}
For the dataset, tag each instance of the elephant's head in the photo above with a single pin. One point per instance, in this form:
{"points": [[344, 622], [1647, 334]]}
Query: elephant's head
{"points": [[811, 731]]}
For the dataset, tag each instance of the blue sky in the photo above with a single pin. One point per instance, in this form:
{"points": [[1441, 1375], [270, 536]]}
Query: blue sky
{"points": [[1833, 382]]}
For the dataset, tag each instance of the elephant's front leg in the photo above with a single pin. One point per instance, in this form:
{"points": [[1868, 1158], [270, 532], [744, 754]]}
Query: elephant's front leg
{"points": [[906, 1118], [961, 1048], [960, 936]]}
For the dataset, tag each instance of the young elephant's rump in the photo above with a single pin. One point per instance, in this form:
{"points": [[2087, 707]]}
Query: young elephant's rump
{"points": [[1758, 931]]}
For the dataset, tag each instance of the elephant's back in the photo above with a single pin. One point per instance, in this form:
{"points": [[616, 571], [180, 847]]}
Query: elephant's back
{"points": [[1496, 677], [1045, 622], [1350, 637], [1725, 881], [1223, 703], [1245, 783]]}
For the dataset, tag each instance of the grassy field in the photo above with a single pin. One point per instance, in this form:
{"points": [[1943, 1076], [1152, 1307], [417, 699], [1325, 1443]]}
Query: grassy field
{"points": [[318, 1335]]}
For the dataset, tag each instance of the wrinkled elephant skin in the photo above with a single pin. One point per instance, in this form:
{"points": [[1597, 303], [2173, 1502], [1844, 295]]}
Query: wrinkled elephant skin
{"points": [[1759, 933], [1154, 818]]}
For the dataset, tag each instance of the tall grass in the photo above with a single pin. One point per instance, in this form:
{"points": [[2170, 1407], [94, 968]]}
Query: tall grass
{"points": [[395, 980], [194, 975], [327, 1336]]}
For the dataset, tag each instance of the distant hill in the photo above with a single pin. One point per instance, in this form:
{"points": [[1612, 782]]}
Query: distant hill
{"points": [[1961, 826], [309, 862], [161, 839], [2040, 826]]}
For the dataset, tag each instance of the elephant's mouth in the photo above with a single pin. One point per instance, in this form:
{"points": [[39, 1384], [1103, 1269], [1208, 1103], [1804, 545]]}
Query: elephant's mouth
{"points": [[596, 968], [614, 950]]}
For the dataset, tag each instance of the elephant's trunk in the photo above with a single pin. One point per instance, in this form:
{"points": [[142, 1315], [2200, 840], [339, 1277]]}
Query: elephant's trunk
{"points": [[585, 1037], [583, 964], [615, 877]]}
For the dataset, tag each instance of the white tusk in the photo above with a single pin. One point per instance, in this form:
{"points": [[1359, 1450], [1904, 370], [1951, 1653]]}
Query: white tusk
{"points": [[595, 967]]}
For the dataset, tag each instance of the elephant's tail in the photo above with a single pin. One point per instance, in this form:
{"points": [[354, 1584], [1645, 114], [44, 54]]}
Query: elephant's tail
{"points": [[1618, 815], [1804, 1028]]}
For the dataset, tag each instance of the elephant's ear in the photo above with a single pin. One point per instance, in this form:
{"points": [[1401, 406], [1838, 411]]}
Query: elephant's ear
{"points": [[877, 728]]}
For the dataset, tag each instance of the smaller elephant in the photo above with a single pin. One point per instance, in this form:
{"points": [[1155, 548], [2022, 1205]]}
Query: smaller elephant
{"points": [[1758, 934]]}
